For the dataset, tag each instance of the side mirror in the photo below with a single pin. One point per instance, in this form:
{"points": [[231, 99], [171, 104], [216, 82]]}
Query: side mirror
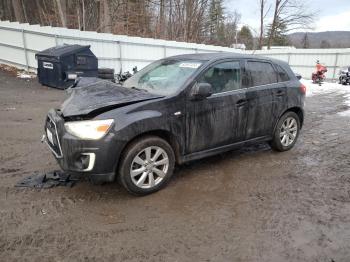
{"points": [[298, 76], [200, 91]]}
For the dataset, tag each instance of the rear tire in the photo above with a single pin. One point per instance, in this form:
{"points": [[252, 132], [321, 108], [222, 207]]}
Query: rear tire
{"points": [[146, 166], [106, 76], [106, 71], [286, 133]]}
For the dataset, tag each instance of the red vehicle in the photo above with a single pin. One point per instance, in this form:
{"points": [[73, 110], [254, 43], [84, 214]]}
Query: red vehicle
{"points": [[319, 76]]}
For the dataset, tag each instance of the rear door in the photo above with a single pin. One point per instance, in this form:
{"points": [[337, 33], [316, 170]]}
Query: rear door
{"points": [[261, 82], [279, 93], [221, 118]]}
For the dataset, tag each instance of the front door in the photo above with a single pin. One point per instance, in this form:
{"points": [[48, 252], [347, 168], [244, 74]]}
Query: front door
{"points": [[221, 118]]}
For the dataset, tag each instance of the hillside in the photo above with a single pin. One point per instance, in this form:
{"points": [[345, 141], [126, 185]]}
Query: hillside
{"points": [[336, 39]]}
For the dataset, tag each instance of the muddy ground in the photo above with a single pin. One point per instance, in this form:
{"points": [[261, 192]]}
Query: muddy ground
{"points": [[248, 205]]}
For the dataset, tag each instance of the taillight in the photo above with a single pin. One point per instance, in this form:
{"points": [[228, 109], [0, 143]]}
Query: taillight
{"points": [[302, 89]]}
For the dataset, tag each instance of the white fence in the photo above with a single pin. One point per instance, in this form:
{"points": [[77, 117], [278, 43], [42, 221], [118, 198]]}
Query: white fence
{"points": [[303, 61], [20, 42]]}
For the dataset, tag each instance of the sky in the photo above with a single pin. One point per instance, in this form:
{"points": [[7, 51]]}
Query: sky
{"points": [[332, 15]]}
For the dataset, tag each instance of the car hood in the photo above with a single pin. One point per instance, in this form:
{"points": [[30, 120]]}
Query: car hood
{"points": [[94, 95]]}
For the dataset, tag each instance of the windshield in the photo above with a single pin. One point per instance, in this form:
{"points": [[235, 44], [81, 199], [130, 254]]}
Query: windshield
{"points": [[163, 77]]}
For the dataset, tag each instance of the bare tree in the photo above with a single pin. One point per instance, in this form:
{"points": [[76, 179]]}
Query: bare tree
{"points": [[161, 20], [180, 20], [263, 14], [106, 17], [25, 11], [293, 14], [83, 13], [6, 12], [62, 11], [18, 10]]}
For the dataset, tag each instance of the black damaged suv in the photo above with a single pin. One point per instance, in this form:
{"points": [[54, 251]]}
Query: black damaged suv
{"points": [[175, 110]]}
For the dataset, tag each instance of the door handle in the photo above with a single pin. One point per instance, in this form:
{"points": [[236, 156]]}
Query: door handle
{"points": [[280, 93], [241, 102]]}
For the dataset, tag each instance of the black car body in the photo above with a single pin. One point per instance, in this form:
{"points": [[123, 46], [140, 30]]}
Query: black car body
{"points": [[196, 120]]}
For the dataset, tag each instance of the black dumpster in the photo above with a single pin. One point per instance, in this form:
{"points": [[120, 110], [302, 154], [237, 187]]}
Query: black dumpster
{"points": [[59, 66]]}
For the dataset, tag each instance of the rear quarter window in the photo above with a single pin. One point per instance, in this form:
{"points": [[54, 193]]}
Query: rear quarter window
{"points": [[282, 74], [261, 73]]}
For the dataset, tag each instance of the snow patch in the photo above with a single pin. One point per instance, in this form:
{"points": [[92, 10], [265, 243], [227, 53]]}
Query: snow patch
{"points": [[345, 113], [325, 88], [328, 88]]}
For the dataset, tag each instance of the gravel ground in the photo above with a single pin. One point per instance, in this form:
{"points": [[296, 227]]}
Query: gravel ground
{"points": [[248, 205]]}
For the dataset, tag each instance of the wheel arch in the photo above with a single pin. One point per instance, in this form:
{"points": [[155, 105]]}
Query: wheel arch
{"points": [[163, 134], [299, 111]]}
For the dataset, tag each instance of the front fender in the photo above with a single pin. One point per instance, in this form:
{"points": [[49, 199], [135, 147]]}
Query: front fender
{"points": [[143, 120], [132, 125]]}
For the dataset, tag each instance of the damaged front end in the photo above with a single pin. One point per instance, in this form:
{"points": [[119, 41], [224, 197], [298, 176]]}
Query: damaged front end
{"points": [[73, 154], [92, 96], [79, 139]]}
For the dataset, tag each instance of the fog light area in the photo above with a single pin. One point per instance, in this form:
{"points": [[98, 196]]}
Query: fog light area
{"points": [[86, 161]]}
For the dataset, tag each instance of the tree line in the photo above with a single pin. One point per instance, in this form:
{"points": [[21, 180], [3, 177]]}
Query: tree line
{"points": [[199, 21]]}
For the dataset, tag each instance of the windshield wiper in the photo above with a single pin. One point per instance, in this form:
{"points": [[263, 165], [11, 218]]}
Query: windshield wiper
{"points": [[139, 89]]}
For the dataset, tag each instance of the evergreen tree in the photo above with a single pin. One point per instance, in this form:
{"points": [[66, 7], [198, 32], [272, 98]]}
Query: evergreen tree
{"points": [[305, 41], [245, 37], [325, 44], [278, 36], [216, 21]]}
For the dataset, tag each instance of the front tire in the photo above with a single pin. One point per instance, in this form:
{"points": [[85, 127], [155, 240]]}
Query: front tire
{"points": [[286, 132], [147, 165]]}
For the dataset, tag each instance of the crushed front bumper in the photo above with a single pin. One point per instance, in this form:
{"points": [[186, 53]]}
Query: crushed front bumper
{"points": [[96, 158]]}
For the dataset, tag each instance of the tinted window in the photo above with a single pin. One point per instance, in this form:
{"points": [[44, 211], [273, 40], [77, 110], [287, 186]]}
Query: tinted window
{"points": [[282, 74], [223, 77], [261, 73]]}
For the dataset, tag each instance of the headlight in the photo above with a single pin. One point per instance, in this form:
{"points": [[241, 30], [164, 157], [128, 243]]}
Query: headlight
{"points": [[89, 129]]}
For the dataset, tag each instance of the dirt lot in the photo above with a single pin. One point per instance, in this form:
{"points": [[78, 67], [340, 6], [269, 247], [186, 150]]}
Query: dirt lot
{"points": [[248, 205]]}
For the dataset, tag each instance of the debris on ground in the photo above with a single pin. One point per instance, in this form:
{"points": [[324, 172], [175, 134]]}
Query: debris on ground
{"points": [[10, 108], [26, 75], [14, 71], [9, 69], [48, 180]]}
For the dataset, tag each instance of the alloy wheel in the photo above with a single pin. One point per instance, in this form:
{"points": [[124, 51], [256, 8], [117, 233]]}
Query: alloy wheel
{"points": [[149, 167], [288, 131]]}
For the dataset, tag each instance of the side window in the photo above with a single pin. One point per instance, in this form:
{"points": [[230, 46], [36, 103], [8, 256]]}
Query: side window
{"points": [[223, 77], [261, 73], [282, 74]]}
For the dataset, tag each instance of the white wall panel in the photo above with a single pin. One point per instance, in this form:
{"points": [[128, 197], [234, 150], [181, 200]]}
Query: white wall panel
{"points": [[344, 59], [142, 52], [38, 42], [175, 51], [13, 38], [137, 51], [13, 55]]}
